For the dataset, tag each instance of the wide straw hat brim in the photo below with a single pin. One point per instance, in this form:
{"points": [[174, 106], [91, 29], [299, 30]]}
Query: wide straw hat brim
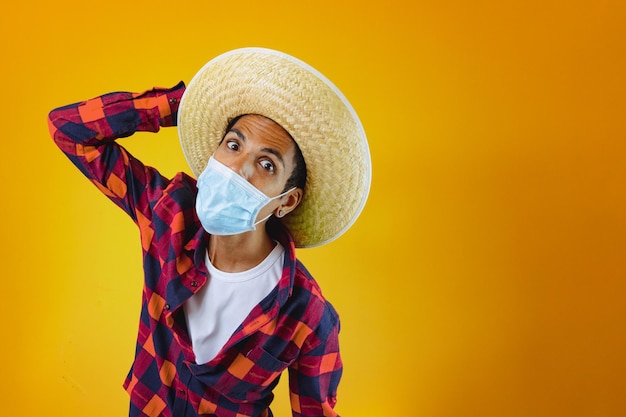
{"points": [[308, 106]]}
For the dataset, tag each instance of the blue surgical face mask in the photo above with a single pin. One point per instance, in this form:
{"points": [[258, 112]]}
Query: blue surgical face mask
{"points": [[227, 204]]}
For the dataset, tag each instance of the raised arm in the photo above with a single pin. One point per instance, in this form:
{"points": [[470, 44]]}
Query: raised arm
{"points": [[86, 133]]}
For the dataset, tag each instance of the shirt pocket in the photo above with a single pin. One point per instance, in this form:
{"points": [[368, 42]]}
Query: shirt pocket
{"points": [[249, 377]]}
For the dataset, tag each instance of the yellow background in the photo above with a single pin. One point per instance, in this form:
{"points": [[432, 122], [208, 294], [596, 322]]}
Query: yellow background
{"points": [[486, 276]]}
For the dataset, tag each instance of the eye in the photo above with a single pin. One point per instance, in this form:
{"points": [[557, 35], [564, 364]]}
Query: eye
{"points": [[232, 145], [267, 165]]}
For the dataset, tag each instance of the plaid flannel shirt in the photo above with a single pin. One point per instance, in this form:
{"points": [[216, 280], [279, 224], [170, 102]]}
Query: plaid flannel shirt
{"points": [[293, 328]]}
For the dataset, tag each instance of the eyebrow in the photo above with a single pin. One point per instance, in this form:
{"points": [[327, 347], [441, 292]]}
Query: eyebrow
{"points": [[272, 151]]}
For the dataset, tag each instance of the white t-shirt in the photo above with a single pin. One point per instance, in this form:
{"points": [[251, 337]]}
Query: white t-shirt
{"points": [[216, 311]]}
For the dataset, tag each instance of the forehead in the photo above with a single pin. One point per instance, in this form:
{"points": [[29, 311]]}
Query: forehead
{"points": [[262, 131]]}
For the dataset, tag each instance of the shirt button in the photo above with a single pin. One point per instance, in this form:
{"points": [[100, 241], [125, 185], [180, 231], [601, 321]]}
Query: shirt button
{"points": [[172, 100], [166, 307], [194, 283]]}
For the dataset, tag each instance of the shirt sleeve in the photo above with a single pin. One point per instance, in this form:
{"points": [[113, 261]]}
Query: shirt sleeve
{"points": [[86, 132], [314, 377]]}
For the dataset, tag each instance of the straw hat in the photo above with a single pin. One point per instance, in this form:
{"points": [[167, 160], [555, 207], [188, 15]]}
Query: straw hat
{"points": [[309, 107]]}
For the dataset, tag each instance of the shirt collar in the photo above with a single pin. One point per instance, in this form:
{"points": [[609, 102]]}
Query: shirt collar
{"points": [[198, 245]]}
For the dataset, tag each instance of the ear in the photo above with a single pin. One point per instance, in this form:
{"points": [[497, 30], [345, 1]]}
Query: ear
{"points": [[289, 202]]}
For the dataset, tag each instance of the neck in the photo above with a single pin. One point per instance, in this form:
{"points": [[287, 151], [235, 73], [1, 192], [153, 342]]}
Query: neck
{"points": [[240, 252]]}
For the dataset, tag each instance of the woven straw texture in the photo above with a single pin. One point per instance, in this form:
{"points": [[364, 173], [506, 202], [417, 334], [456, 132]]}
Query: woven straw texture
{"points": [[309, 107]]}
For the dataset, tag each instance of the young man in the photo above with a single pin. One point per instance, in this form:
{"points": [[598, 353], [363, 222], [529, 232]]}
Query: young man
{"points": [[282, 162]]}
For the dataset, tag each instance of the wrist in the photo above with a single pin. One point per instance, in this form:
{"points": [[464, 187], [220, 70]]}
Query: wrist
{"points": [[168, 104]]}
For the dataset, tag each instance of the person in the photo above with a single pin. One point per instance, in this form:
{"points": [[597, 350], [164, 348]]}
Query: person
{"points": [[281, 162]]}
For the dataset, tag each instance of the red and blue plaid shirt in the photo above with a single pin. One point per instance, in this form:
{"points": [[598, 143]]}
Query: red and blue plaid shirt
{"points": [[293, 328]]}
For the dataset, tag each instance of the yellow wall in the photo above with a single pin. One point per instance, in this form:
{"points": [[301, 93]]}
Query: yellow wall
{"points": [[486, 276]]}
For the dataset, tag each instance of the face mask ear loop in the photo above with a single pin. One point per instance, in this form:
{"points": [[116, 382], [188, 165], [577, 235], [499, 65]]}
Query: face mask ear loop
{"points": [[274, 198], [262, 220]]}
